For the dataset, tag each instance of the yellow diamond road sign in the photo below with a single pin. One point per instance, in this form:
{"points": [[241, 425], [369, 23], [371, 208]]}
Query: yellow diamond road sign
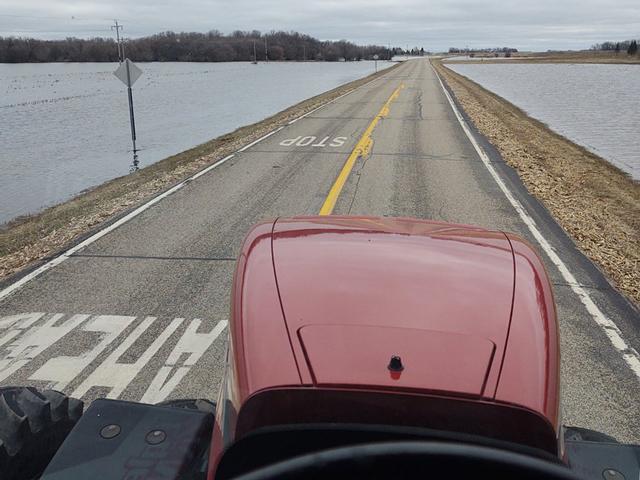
{"points": [[128, 72]]}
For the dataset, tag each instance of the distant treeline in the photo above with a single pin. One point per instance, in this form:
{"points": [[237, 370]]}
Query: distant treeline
{"points": [[190, 47], [498, 50], [629, 46]]}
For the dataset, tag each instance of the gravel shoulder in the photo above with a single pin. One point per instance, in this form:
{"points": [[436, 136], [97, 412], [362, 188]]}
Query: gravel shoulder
{"points": [[27, 242], [597, 204]]}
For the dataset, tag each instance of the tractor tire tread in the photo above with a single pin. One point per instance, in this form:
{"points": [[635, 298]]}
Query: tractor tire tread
{"points": [[33, 425]]}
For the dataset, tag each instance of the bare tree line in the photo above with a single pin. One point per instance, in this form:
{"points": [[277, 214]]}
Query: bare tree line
{"points": [[471, 51], [189, 47], [629, 46]]}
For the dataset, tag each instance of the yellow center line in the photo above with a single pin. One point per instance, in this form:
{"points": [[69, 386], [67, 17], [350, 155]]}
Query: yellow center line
{"points": [[362, 149]]}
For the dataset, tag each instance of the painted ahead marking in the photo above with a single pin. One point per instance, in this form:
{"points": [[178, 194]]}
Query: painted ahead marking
{"points": [[26, 337], [611, 330], [361, 149], [64, 256], [313, 141]]}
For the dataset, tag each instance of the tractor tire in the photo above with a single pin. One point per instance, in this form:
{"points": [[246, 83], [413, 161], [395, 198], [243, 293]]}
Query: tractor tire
{"points": [[33, 425]]}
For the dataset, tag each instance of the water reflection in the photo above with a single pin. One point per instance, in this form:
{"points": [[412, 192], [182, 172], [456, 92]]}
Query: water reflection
{"points": [[593, 105], [134, 167]]}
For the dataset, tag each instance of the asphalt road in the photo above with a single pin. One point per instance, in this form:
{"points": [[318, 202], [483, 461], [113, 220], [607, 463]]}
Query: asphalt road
{"points": [[140, 313]]}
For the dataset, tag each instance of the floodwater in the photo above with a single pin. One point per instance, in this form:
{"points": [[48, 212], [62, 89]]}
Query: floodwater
{"points": [[596, 106], [64, 127]]}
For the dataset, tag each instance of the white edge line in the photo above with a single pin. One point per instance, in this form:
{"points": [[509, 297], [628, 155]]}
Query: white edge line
{"points": [[611, 330], [96, 236], [260, 139]]}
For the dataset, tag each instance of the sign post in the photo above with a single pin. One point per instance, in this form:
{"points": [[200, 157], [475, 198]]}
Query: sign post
{"points": [[375, 58], [128, 72]]}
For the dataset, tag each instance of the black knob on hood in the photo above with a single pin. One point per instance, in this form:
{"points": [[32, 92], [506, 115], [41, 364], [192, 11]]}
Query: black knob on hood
{"points": [[395, 364]]}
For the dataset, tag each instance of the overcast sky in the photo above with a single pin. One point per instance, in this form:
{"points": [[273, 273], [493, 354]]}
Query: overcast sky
{"points": [[432, 24]]}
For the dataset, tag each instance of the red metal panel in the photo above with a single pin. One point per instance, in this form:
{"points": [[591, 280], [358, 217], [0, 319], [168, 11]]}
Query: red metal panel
{"points": [[395, 272], [530, 374], [262, 351], [359, 356]]}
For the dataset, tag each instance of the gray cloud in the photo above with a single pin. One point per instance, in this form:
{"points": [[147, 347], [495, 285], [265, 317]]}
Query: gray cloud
{"points": [[433, 24]]}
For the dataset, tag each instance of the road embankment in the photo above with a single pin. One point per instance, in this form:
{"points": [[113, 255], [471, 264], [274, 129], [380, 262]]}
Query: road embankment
{"points": [[27, 241], [595, 202]]}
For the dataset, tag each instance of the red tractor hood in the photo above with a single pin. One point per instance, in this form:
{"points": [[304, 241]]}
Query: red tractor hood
{"points": [[356, 292], [329, 302]]}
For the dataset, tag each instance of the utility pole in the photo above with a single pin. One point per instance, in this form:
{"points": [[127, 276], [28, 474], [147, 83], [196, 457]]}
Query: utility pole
{"points": [[304, 53], [266, 50], [117, 28]]}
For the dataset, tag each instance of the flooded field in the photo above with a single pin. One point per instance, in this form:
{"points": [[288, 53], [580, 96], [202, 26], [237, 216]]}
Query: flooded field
{"points": [[65, 127], [596, 106]]}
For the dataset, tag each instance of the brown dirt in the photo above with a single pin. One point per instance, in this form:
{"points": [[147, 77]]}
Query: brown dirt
{"points": [[586, 56], [596, 203], [28, 240]]}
